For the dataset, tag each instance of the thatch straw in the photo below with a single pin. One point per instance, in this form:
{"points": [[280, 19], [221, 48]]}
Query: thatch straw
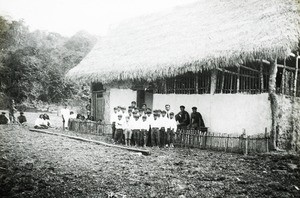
{"points": [[201, 35]]}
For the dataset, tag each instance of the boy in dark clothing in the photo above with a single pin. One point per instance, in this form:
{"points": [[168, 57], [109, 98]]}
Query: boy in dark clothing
{"points": [[183, 118], [22, 119]]}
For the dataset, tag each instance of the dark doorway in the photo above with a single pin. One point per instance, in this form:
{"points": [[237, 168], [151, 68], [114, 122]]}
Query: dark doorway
{"points": [[144, 96], [98, 104]]}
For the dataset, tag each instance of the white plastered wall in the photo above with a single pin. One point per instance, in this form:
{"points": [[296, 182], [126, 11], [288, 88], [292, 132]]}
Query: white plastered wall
{"points": [[224, 113]]}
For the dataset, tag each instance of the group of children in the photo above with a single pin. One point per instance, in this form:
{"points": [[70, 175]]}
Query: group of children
{"points": [[42, 122], [21, 119], [143, 127]]}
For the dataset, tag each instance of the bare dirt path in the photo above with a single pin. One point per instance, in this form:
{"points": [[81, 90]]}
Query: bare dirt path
{"points": [[41, 165]]}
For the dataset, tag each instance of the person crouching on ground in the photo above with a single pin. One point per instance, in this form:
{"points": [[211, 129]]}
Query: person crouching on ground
{"points": [[3, 118], [40, 123], [136, 129], [47, 119], [127, 130], [172, 128], [144, 131], [22, 119]]}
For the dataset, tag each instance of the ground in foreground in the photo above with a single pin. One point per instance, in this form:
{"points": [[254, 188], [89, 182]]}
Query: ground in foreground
{"points": [[41, 165]]}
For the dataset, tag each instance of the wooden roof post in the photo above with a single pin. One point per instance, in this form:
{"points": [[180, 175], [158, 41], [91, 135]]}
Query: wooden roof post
{"points": [[222, 80], [213, 84], [296, 76], [238, 80], [165, 86], [293, 142], [196, 82], [261, 75], [282, 87], [273, 101]]}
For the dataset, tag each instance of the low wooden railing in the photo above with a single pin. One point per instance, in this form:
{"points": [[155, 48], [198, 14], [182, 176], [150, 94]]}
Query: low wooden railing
{"points": [[223, 142], [91, 127], [189, 138]]}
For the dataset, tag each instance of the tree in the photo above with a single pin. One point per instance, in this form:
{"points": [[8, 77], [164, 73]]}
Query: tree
{"points": [[33, 64]]}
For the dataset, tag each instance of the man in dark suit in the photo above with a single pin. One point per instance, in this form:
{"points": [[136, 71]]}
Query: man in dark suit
{"points": [[196, 119], [183, 118]]}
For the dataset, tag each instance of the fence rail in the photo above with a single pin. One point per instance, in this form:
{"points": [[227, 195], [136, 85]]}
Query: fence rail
{"points": [[193, 138], [223, 142], [91, 127]]}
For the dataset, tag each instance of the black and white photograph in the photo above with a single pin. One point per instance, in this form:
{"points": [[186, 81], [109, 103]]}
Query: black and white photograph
{"points": [[149, 98]]}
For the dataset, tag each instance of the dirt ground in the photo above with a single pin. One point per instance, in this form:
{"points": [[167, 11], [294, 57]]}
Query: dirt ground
{"points": [[40, 165]]}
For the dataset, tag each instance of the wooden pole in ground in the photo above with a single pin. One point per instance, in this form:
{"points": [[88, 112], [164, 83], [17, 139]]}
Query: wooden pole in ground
{"points": [[226, 146], [273, 102], [63, 128], [267, 140], [246, 142], [143, 151]]}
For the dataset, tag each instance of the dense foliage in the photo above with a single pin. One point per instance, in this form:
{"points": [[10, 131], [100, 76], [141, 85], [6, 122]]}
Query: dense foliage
{"points": [[33, 64]]}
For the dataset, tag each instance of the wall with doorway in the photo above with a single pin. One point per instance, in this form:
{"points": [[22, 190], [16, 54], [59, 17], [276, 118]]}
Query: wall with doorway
{"points": [[144, 97], [122, 97], [224, 113], [149, 99]]}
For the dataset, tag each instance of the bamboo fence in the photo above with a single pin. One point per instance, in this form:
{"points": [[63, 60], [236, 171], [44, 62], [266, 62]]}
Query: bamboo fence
{"points": [[236, 143], [223, 142], [91, 127]]}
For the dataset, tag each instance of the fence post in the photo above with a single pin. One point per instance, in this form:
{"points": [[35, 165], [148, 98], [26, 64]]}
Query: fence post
{"points": [[204, 136], [244, 141], [181, 137], [267, 140], [226, 146], [63, 128]]}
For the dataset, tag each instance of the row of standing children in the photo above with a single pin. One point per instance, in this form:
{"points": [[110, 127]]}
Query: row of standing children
{"points": [[143, 127]]}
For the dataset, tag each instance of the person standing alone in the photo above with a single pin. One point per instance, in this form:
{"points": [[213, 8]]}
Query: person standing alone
{"points": [[12, 110], [65, 114]]}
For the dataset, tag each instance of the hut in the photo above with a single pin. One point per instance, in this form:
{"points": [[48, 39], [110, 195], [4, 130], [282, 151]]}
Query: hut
{"points": [[235, 60]]}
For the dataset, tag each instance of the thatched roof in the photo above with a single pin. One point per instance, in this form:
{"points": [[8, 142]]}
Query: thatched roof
{"points": [[201, 35]]}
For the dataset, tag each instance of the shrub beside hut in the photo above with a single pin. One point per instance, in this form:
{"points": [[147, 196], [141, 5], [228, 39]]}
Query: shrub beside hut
{"points": [[236, 61]]}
